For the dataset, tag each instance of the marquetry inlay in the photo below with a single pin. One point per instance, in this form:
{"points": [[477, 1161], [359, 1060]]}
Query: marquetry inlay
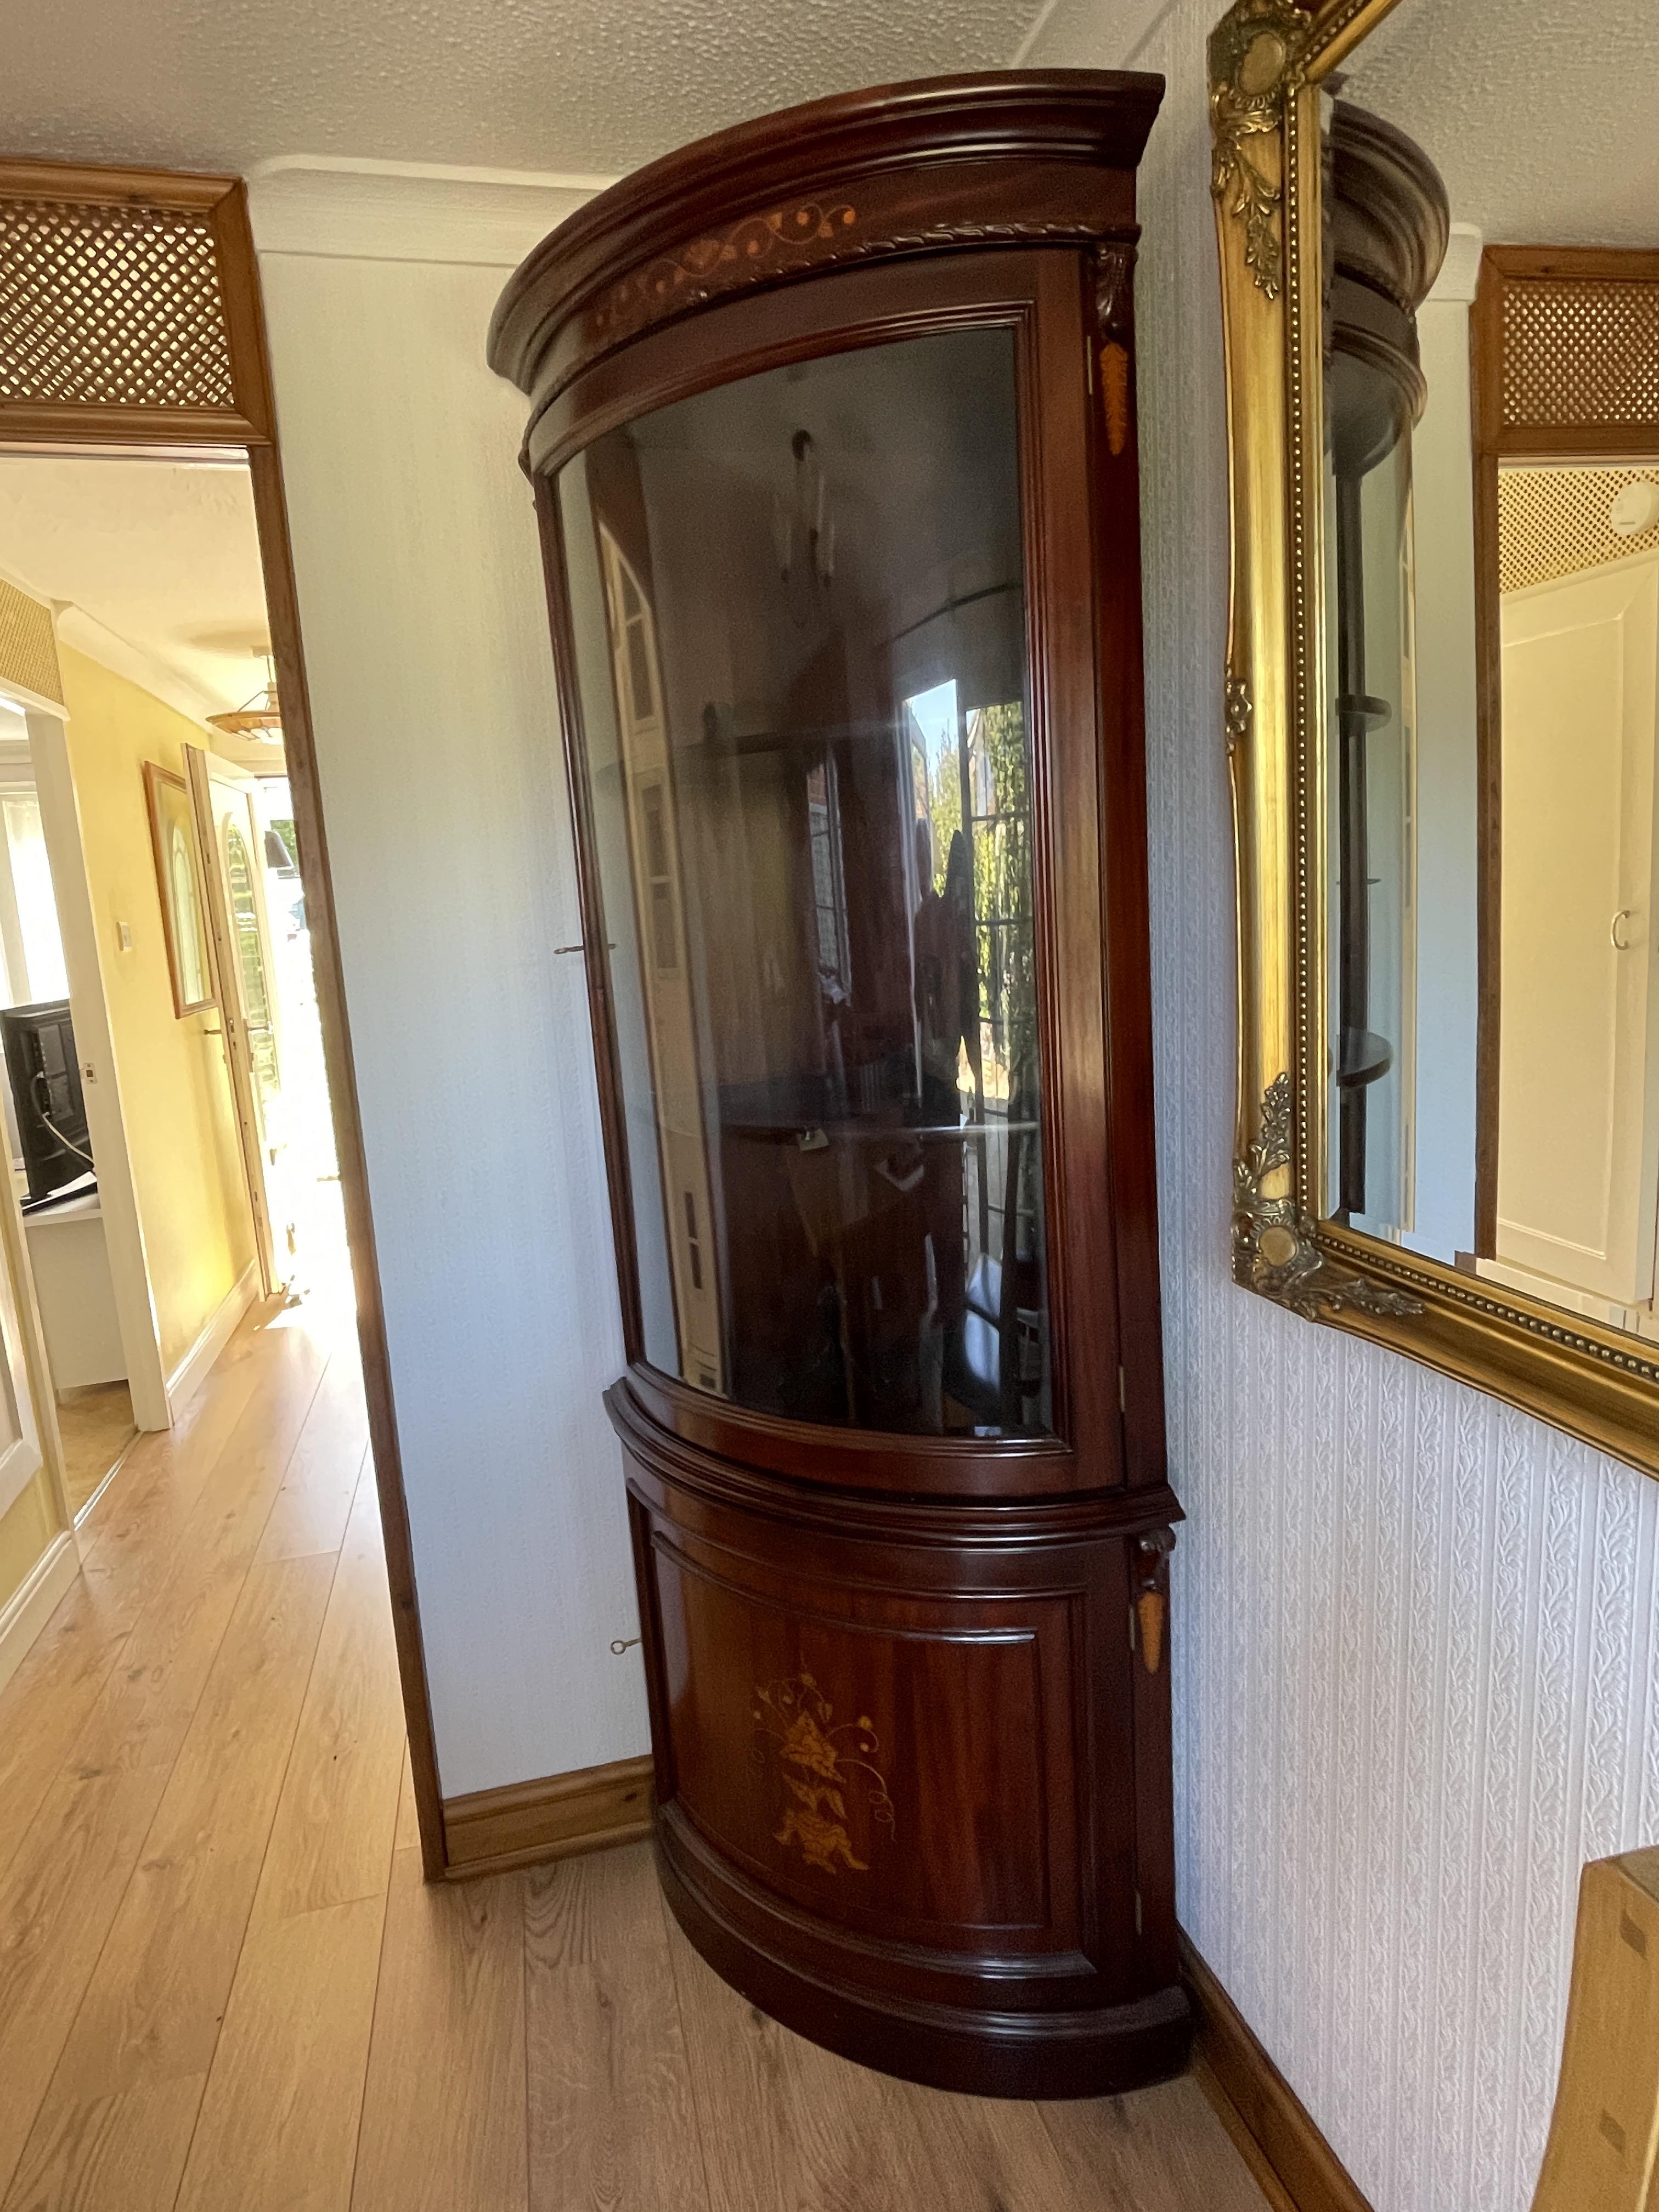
{"points": [[820, 1761]]}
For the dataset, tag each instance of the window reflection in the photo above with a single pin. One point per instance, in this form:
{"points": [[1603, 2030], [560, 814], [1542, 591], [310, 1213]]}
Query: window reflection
{"points": [[801, 640]]}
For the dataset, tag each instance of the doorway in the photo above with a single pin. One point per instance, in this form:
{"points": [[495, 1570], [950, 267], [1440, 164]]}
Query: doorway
{"points": [[66, 1238], [1576, 1146], [166, 1096], [139, 331]]}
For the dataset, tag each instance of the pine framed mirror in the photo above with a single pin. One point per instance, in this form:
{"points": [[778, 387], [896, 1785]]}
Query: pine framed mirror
{"points": [[1440, 292]]}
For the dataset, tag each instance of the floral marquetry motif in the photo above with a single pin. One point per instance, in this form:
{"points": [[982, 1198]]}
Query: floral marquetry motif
{"points": [[828, 1761], [710, 263]]}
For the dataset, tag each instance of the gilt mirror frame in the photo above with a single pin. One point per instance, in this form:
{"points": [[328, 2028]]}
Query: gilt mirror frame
{"points": [[1268, 61]]}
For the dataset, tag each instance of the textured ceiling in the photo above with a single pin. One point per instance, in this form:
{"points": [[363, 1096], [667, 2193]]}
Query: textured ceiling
{"points": [[1542, 115], [571, 85], [162, 555]]}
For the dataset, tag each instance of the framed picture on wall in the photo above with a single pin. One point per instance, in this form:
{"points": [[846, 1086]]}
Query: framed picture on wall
{"points": [[179, 879]]}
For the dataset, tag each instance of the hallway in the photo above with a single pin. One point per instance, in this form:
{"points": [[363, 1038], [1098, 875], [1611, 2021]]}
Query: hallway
{"points": [[224, 1987]]}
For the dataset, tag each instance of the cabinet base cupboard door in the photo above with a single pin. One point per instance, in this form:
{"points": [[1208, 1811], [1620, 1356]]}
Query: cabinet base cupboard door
{"points": [[832, 437]]}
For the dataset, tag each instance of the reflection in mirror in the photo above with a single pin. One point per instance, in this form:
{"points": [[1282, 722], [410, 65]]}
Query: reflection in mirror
{"points": [[801, 640], [1491, 350], [1387, 223]]}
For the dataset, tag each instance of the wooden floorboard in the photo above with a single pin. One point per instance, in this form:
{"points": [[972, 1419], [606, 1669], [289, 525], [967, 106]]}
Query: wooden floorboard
{"points": [[154, 2005], [444, 2107], [409, 1818], [123, 2150], [59, 1898], [278, 2124], [152, 2010], [165, 1475], [311, 1508], [47, 1704], [612, 2122], [789, 2128], [132, 1705], [225, 1988], [332, 1837], [1162, 2150], [150, 1697]]}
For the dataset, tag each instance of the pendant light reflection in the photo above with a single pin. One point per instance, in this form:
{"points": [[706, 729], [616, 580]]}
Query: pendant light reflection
{"points": [[258, 717], [803, 529]]}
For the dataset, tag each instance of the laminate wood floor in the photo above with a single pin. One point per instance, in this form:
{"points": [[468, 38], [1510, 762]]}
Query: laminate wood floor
{"points": [[224, 1987], [96, 1425]]}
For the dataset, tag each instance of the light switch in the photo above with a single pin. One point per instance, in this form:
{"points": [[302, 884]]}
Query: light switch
{"points": [[124, 936]]}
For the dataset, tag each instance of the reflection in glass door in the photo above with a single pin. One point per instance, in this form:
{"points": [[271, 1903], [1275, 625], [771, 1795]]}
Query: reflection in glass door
{"points": [[653, 850], [801, 615]]}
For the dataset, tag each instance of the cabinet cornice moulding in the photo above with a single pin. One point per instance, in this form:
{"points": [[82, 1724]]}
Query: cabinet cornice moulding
{"points": [[350, 210]]}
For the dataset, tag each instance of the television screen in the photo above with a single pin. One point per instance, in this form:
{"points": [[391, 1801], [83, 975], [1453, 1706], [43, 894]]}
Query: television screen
{"points": [[45, 1089]]}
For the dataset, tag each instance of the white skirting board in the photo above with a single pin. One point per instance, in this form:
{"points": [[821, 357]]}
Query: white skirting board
{"points": [[31, 1606], [192, 1370]]}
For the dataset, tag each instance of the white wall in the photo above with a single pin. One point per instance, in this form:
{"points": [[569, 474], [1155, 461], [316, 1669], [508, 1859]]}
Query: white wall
{"points": [[1416, 1665], [1447, 783], [444, 792]]}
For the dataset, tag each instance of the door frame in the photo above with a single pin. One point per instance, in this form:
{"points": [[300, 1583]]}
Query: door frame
{"points": [[16, 1264], [225, 372], [118, 1197]]}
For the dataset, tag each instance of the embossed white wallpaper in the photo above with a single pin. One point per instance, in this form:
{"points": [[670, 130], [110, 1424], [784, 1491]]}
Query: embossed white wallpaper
{"points": [[1417, 1666]]}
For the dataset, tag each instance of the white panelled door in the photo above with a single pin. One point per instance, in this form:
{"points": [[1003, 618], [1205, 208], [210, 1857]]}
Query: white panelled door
{"points": [[1579, 1086]]}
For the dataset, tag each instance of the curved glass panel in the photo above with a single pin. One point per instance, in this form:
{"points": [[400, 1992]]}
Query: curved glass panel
{"points": [[800, 617]]}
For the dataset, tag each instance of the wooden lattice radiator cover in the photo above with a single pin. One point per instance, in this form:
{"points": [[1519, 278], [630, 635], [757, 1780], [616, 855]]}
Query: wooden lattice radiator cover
{"points": [[125, 302]]}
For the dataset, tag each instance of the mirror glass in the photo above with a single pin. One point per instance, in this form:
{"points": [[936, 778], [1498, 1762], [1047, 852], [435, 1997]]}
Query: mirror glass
{"points": [[799, 610], [1492, 653]]}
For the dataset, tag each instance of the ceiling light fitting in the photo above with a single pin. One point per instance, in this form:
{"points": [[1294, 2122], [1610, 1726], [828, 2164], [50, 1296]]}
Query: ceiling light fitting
{"points": [[259, 717]]}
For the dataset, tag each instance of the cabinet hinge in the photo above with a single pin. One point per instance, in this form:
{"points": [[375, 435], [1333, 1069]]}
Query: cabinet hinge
{"points": [[1122, 1392]]}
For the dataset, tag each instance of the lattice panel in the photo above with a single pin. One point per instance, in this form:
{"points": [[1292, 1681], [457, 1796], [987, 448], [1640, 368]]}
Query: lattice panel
{"points": [[110, 307], [1585, 351], [1553, 521], [28, 644]]}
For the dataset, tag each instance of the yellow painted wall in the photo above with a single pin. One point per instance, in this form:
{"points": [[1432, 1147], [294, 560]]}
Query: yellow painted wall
{"points": [[175, 1091], [28, 1526]]}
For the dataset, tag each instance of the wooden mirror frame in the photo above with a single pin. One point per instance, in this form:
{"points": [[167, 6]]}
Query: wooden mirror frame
{"points": [[1269, 60]]}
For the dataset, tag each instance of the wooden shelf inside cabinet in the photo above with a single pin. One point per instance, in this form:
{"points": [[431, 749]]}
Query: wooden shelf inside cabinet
{"points": [[830, 433]]}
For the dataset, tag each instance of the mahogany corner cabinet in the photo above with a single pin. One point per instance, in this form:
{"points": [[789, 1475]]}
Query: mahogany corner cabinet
{"points": [[832, 437]]}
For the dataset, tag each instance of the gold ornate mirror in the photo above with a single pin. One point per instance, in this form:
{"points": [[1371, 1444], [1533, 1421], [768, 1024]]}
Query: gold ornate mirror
{"points": [[1439, 237]]}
